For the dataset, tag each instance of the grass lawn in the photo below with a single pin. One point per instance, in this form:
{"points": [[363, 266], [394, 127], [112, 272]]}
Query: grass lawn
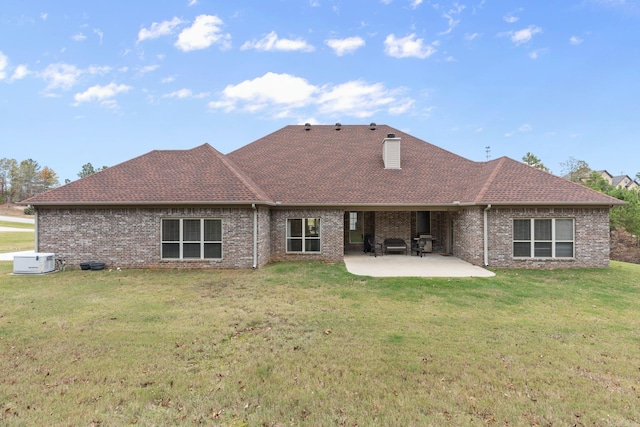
{"points": [[310, 344], [13, 241]]}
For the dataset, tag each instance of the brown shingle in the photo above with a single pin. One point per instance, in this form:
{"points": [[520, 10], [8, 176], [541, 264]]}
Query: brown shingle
{"points": [[324, 166], [198, 175], [321, 166]]}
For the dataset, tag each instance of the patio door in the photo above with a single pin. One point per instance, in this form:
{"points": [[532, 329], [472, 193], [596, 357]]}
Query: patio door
{"points": [[356, 227]]}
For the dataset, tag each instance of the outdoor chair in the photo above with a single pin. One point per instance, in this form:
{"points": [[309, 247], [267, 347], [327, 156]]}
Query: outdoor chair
{"points": [[374, 246], [419, 248]]}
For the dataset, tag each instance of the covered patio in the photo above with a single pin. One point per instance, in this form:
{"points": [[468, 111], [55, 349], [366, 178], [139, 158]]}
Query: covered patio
{"points": [[429, 265]]}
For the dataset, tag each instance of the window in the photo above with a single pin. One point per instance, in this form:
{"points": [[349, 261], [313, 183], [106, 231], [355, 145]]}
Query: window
{"points": [[543, 238], [303, 235], [191, 238], [356, 227]]}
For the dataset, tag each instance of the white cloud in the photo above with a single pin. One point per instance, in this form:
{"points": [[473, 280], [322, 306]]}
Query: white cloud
{"points": [[413, 4], [270, 89], [510, 18], [522, 129], [159, 29], [185, 94], [205, 31], [535, 54], [471, 37], [99, 33], [284, 95], [20, 72], [102, 94], [79, 37], [574, 40], [406, 47], [523, 36], [271, 42], [192, 3], [146, 69], [61, 76], [451, 17], [344, 46], [168, 79], [64, 76], [4, 63]]}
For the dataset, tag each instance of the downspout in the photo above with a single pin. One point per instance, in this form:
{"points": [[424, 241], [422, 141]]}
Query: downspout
{"points": [[486, 236], [35, 249], [255, 235]]}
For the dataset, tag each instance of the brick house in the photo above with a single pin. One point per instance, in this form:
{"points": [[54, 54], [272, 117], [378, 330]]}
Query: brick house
{"points": [[314, 192]]}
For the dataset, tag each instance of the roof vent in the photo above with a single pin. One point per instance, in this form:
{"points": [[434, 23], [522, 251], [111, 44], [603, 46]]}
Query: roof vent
{"points": [[307, 126], [391, 152], [338, 126], [372, 126]]}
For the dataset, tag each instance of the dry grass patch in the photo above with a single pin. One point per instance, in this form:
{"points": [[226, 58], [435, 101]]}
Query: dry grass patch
{"points": [[306, 343]]}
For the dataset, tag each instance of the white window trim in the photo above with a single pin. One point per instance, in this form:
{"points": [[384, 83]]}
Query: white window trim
{"points": [[303, 238], [202, 242], [553, 240]]}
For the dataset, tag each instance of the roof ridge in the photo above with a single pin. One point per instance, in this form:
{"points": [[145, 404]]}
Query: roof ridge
{"points": [[492, 177], [239, 173]]}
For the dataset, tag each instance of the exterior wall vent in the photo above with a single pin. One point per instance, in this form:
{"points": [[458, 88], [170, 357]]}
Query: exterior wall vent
{"points": [[391, 152]]}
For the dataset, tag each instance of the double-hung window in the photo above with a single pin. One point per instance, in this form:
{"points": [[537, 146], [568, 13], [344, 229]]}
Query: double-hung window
{"points": [[303, 235], [191, 238], [543, 238]]}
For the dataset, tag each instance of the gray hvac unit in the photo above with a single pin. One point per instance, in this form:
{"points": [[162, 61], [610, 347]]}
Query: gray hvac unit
{"points": [[34, 263]]}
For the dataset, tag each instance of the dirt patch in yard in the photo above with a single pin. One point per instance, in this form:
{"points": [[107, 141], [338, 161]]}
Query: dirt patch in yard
{"points": [[13, 210]]}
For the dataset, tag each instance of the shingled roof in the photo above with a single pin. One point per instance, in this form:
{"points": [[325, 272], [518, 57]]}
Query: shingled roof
{"points": [[321, 165], [331, 165], [201, 175]]}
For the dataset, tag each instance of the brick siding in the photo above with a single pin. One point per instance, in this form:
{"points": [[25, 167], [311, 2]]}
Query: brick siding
{"points": [[331, 234], [591, 243], [130, 237]]}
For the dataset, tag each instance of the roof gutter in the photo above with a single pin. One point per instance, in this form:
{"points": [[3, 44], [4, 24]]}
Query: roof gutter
{"points": [[155, 203], [486, 236]]}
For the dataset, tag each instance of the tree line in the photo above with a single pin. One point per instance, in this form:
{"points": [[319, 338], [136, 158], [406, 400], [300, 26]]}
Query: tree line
{"points": [[626, 217], [19, 181]]}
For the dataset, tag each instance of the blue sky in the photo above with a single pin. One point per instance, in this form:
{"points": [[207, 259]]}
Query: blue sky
{"points": [[106, 81]]}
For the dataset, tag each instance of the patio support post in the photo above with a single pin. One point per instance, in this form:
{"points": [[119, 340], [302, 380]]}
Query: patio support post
{"points": [[486, 236]]}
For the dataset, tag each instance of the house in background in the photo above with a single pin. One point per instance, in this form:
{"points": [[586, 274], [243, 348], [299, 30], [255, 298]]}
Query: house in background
{"points": [[312, 192], [620, 181]]}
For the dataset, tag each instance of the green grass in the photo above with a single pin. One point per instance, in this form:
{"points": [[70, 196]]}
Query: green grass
{"points": [[311, 344], [17, 225], [13, 241]]}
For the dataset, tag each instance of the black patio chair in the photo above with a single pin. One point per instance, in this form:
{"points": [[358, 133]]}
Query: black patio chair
{"points": [[374, 246]]}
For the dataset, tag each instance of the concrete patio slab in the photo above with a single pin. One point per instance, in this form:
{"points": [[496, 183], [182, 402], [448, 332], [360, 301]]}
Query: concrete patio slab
{"points": [[430, 265]]}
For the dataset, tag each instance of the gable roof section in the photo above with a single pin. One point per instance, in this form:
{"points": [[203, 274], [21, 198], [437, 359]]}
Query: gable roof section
{"points": [[200, 175], [516, 183], [326, 166]]}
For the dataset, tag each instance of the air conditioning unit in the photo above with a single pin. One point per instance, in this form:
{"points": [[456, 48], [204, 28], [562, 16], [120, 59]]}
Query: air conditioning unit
{"points": [[34, 263]]}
